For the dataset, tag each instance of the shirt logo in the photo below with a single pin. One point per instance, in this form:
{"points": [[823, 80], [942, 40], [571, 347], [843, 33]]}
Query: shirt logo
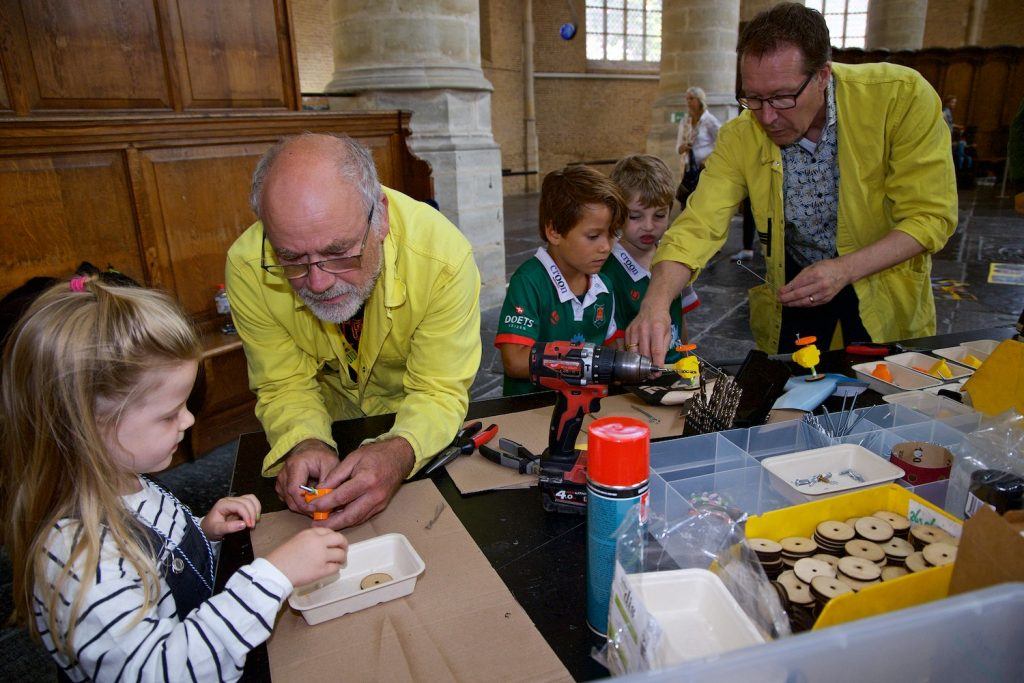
{"points": [[599, 314], [554, 317], [519, 310], [578, 338], [634, 295]]}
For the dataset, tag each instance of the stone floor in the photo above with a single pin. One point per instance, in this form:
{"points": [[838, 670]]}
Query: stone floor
{"points": [[988, 231]]}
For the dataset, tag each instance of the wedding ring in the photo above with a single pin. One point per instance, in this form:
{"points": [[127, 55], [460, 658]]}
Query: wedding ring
{"points": [[810, 297], [632, 346]]}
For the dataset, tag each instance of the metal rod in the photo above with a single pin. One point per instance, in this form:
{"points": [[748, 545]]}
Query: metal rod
{"points": [[650, 417], [310, 489], [855, 423], [740, 264]]}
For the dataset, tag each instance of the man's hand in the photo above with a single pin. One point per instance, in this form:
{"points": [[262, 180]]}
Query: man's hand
{"points": [[310, 460], [364, 482], [816, 284], [650, 333]]}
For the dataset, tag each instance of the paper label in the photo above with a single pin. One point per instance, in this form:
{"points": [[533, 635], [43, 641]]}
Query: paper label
{"points": [[974, 504], [636, 635], [919, 514]]}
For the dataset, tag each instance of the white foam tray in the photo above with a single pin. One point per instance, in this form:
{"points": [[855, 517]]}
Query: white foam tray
{"points": [[904, 379], [985, 346], [340, 594], [923, 360], [926, 403], [697, 614], [957, 353], [805, 464]]}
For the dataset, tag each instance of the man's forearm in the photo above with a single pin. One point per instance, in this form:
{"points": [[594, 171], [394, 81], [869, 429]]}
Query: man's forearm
{"points": [[896, 247], [668, 278]]}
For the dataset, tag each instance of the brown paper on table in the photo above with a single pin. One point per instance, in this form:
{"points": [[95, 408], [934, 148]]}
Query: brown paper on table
{"points": [[460, 623], [474, 473], [991, 551]]}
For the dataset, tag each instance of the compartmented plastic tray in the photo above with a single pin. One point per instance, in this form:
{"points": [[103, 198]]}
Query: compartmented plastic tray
{"points": [[380, 569], [832, 459], [957, 353], [903, 379]]}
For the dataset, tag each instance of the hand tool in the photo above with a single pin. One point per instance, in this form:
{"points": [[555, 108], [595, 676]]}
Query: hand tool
{"points": [[581, 374], [514, 455], [467, 440]]}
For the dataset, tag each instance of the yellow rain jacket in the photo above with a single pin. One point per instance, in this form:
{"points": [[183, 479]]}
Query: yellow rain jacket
{"points": [[895, 173], [418, 353]]}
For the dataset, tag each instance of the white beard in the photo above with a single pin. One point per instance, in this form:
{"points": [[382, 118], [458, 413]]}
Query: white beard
{"points": [[340, 311]]}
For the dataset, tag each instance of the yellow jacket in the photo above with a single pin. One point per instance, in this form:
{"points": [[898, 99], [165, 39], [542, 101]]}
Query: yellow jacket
{"points": [[418, 353], [895, 173]]}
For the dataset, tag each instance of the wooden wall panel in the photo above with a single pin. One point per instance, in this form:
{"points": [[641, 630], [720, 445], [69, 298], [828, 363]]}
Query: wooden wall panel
{"points": [[104, 54], [61, 209], [231, 55], [5, 101], [199, 203]]}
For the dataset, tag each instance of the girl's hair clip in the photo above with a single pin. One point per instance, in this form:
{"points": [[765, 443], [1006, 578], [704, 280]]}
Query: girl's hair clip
{"points": [[77, 283]]}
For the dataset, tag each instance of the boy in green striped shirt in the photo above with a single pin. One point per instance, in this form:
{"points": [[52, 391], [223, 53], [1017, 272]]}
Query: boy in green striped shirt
{"points": [[559, 294], [646, 184]]}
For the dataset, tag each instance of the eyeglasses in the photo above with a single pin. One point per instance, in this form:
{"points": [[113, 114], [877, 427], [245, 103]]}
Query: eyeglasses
{"points": [[776, 101], [334, 266]]}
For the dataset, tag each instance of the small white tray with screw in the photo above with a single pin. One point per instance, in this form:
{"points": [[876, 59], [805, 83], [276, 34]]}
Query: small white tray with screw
{"points": [[837, 461], [378, 570]]}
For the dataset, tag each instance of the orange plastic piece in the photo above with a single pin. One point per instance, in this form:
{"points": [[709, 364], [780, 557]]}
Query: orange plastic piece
{"points": [[922, 370], [882, 372], [310, 497], [804, 341], [683, 348]]}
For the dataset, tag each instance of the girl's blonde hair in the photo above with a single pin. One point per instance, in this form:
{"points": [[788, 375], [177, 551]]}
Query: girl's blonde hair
{"points": [[71, 365]]}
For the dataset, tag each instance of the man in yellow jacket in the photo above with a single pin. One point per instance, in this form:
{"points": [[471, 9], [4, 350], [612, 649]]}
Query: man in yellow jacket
{"points": [[351, 299], [851, 184]]}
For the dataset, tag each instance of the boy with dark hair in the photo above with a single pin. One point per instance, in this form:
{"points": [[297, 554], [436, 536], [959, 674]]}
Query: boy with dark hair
{"points": [[646, 184], [559, 294]]}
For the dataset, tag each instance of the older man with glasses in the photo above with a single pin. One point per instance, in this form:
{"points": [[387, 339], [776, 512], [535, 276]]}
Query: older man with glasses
{"points": [[851, 185], [351, 299]]}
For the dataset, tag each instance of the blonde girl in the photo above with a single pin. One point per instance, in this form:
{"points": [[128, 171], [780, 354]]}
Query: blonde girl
{"points": [[112, 573]]}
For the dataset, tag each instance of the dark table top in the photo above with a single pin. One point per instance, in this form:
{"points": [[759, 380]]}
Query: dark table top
{"points": [[540, 556]]}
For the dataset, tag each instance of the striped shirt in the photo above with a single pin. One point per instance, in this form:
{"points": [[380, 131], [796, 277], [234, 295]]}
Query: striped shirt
{"points": [[210, 644]]}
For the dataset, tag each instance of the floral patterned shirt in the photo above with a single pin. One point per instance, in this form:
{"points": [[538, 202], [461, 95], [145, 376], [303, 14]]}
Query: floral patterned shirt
{"points": [[810, 182]]}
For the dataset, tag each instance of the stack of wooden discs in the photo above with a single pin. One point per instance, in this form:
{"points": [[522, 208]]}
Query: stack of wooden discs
{"points": [[844, 557]]}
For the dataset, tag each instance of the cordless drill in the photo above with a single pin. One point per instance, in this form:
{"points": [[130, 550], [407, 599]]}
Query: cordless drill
{"points": [[581, 374]]}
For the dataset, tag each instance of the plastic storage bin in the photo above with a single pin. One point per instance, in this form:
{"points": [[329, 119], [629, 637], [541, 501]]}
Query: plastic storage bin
{"points": [[970, 637]]}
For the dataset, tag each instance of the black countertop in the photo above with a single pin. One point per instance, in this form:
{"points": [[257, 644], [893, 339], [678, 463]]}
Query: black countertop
{"points": [[540, 556]]}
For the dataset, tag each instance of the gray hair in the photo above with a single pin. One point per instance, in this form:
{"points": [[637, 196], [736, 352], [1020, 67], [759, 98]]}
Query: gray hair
{"points": [[355, 165], [699, 94]]}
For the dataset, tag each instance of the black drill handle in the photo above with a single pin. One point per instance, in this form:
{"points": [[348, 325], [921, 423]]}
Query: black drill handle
{"points": [[566, 422]]}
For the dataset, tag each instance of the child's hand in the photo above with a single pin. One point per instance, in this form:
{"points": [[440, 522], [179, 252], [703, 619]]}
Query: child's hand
{"points": [[310, 554], [229, 515]]}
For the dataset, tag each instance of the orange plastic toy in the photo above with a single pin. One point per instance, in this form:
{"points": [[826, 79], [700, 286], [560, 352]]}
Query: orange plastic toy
{"points": [[310, 497], [882, 372], [808, 356]]}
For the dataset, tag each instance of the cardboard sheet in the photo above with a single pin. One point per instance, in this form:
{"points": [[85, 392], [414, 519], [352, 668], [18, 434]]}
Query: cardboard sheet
{"points": [[460, 624], [474, 473]]}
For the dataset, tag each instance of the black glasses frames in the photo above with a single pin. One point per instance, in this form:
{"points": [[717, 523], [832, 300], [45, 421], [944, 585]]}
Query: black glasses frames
{"points": [[775, 101], [334, 266]]}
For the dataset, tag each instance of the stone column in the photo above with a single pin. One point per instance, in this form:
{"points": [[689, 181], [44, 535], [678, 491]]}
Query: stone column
{"points": [[424, 57], [751, 8], [698, 48], [896, 24]]}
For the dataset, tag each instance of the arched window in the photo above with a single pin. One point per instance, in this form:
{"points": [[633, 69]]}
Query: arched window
{"points": [[847, 20]]}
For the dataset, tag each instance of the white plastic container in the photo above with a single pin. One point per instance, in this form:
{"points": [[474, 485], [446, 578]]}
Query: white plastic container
{"points": [[390, 554], [914, 360], [903, 379], [872, 468], [985, 346], [697, 615], [957, 353], [938, 407]]}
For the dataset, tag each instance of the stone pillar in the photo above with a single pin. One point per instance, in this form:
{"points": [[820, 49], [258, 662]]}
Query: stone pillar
{"points": [[424, 57], [896, 24], [698, 48], [751, 8], [975, 21]]}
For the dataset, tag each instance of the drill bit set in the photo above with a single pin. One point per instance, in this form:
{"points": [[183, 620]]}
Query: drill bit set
{"points": [[714, 413]]}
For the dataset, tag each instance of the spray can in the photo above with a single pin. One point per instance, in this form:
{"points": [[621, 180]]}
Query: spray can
{"points": [[618, 468]]}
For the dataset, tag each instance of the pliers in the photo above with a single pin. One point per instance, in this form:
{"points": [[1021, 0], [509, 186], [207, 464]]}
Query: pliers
{"points": [[514, 455], [466, 441]]}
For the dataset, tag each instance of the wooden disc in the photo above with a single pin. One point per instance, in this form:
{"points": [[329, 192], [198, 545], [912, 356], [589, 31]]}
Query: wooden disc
{"points": [[936, 554], [897, 549], [899, 523], [374, 580], [890, 573], [858, 547], [764, 545], [835, 532], [807, 568], [828, 587], [922, 535], [798, 546], [916, 563], [873, 529], [852, 521], [859, 569], [831, 560]]}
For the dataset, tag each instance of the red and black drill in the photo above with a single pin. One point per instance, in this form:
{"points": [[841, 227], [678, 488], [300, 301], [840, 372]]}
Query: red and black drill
{"points": [[581, 374]]}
